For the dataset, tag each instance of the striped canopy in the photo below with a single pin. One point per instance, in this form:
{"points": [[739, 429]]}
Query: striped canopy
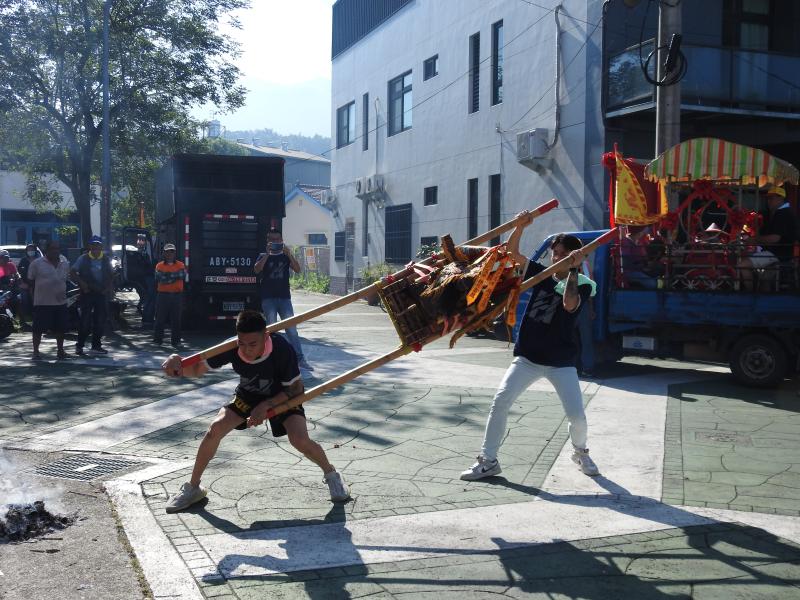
{"points": [[718, 160]]}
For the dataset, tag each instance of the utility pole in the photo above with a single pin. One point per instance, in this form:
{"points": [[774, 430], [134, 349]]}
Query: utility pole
{"points": [[105, 181], [668, 97]]}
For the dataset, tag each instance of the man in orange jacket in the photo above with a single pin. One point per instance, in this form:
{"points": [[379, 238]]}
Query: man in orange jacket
{"points": [[170, 274]]}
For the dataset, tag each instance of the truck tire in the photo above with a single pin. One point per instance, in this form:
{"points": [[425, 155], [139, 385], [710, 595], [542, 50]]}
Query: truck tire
{"points": [[758, 360]]}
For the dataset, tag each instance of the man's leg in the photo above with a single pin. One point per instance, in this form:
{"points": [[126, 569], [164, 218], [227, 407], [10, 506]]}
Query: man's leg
{"points": [[270, 310], [519, 376], [100, 316], [745, 267], [225, 421], [85, 305], [565, 381], [297, 431], [161, 318], [286, 310]]}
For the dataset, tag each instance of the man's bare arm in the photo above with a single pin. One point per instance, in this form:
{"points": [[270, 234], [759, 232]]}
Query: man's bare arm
{"points": [[572, 299], [259, 413]]}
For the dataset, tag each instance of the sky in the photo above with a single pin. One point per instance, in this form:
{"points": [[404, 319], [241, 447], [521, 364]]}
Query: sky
{"points": [[286, 66]]}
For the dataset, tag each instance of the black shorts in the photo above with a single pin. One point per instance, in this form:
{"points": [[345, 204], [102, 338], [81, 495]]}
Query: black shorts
{"points": [[50, 318], [243, 408]]}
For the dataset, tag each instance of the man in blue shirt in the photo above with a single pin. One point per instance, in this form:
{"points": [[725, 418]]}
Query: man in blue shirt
{"points": [[546, 347], [276, 297], [93, 273]]}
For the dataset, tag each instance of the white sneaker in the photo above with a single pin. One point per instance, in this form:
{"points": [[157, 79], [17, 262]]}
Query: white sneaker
{"points": [[338, 488], [188, 495], [581, 458], [482, 468]]}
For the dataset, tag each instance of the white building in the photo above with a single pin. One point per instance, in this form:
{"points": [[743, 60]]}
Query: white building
{"points": [[307, 222], [20, 222], [432, 102]]}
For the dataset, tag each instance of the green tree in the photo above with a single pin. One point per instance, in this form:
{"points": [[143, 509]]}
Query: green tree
{"points": [[165, 57]]}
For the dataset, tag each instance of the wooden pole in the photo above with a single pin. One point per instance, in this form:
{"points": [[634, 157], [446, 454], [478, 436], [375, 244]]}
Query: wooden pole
{"points": [[362, 293], [404, 350], [562, 265], [340, 380]]}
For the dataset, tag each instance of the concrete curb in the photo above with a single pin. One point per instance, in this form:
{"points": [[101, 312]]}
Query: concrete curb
{"points": [[165, 571]]}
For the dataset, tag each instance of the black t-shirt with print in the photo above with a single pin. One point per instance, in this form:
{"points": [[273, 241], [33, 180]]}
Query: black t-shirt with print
{"points": [[265, 378], [275, 276], [547, 333]]}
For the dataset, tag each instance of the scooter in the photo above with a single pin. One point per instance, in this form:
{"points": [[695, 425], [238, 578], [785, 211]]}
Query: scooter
{"points": [[8, 302]]}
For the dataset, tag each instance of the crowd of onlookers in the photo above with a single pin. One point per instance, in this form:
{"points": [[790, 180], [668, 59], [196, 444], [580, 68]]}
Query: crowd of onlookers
{"points": [[43, 281], [47, 283]]}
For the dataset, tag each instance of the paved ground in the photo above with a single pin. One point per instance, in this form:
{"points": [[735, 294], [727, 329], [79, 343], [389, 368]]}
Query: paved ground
{"points": [[698, 498]]}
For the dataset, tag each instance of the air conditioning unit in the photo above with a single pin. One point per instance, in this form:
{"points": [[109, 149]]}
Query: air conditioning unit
{"points": [[361, 186], [374, 184], [532, 145], [328, 198]]}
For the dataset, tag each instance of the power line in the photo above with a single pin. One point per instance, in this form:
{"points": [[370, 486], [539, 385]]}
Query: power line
{"points": [[442, 89]]}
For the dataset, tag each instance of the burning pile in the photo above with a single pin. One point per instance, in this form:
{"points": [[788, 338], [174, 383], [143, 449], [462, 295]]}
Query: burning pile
{"points": [[24, 521]]}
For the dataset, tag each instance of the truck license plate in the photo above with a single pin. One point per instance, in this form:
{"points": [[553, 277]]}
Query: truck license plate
{"points": [[232, 306]]}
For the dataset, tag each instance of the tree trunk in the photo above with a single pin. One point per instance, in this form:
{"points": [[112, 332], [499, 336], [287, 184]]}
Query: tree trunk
{"points": [[82, 196]]}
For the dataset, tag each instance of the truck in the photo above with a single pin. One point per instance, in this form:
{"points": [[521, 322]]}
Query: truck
{"points": [[217, 210], [695, 303]]}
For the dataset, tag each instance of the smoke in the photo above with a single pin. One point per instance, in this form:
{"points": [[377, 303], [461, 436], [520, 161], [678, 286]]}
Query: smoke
{"points": [[19, 487]]}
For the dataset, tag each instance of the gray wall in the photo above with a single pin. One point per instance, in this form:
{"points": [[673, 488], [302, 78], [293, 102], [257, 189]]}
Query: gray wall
{"points": [[446, 145]]}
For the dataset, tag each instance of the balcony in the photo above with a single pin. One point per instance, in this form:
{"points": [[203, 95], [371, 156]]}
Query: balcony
{"points": [[718, 80]]}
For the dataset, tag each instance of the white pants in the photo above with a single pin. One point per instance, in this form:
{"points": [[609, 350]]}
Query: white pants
{"points": [[519, 376]]}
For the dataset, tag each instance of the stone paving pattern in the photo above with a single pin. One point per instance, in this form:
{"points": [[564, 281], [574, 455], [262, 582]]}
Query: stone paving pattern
{"points": [[42, 398], [733, 447], [702, 562]]}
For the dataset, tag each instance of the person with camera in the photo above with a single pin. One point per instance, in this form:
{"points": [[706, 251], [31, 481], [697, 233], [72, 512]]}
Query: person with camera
{"points": [[276, 297]]}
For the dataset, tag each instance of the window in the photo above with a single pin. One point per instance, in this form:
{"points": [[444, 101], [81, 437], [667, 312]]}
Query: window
{"points": [[346, 125], [431, 196], [472, 208], [338, 245], [748, 24], [494, 205], [398, 233], [365, 124], [429, 240], [430, 68], [317, 239], [497, 63], [474, 72], [400, 103]]}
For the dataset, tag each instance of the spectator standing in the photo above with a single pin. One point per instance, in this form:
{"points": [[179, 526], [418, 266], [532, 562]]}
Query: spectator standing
{"points": [[8, 270], [25, 286], [93, 273], [48, 277], [140, 269], [169, 276], [276, 297]]}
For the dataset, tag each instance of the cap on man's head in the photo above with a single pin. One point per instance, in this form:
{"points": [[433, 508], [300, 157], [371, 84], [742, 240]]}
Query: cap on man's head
{"points": [[4, 253], [776, 191], [168, 247], [95, 239]]}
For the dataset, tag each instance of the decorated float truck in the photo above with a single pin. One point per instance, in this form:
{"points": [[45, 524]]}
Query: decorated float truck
{"points": [[675, 287], [217, 211]]}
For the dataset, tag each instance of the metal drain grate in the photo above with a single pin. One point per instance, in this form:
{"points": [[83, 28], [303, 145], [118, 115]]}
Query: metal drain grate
{"points": [[84, 467]]}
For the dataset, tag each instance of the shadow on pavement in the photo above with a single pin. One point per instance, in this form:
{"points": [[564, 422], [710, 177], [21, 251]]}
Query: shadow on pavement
{"points": [[691, 552]]}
